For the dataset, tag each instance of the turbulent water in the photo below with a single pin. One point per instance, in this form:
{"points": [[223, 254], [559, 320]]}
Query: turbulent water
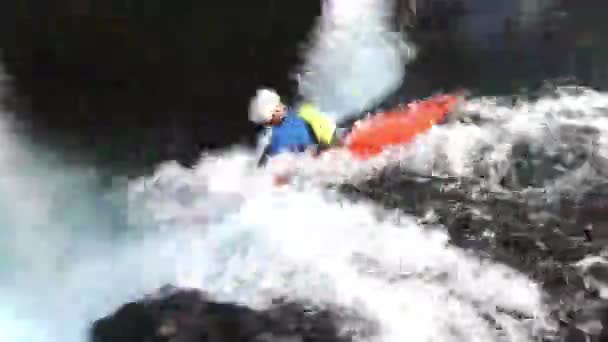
{"points": [[354, 59], [224, 228], [377, 239]]}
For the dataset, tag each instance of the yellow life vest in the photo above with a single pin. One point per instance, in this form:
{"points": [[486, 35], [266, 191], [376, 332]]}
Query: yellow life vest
{"points": [[323, 126]]}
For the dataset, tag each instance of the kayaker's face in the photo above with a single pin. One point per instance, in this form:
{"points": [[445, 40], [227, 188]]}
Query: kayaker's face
{"points": [[277, 114]]}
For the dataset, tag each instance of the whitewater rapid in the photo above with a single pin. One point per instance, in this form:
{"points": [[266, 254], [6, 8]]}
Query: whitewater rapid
{"points": [[73, 251], [222, 227], [312, 246], [246, 241]]}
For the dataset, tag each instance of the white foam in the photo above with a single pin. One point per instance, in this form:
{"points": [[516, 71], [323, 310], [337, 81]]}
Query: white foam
{"points": [[311, 246], [242, 240], [354, 59]]}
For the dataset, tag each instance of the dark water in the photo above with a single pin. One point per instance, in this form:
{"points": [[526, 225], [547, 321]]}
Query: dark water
{"points": [[151, 87]]}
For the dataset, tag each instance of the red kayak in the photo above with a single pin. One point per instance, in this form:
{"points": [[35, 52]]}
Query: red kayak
{"points": [[398, 126]]}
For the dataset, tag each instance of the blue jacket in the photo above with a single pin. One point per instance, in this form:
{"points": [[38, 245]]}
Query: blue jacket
{"points": [[293, 134]]}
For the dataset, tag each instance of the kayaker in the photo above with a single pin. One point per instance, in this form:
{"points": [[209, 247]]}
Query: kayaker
{"points": [[299, 129]]}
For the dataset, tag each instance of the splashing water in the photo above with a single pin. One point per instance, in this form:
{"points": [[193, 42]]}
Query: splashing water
{"points": [[237, 237], [561, 138], [354, 60], [234, 235], [54, 219], [292, 243]]}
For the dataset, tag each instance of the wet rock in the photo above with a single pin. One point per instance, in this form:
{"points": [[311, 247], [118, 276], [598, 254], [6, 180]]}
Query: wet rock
{"points": [[130, 323], [188, 315]]}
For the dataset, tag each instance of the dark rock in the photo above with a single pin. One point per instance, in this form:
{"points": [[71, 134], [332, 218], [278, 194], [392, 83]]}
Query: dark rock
{"points": [[132, 322], [188, 315]]}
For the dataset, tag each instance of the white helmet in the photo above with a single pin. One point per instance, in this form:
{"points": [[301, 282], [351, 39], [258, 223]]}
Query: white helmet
{"points": [[262, 105]]}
